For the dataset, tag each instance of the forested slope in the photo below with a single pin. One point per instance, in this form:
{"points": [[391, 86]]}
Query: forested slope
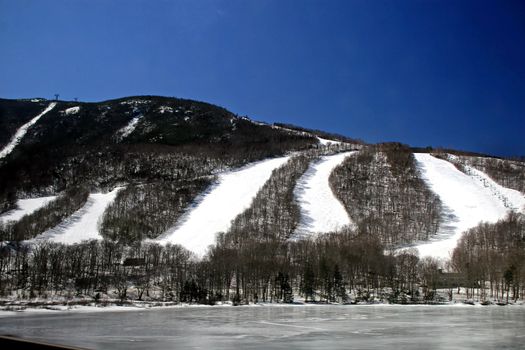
{"points": [[384, 194], [162, 159]]}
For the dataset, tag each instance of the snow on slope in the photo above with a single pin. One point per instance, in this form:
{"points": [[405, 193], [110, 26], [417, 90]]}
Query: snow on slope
{"points": [[321, 211], [25, 207], [468, 199], [83, 224], [128, 129], [511, 199], [72, 110], [20, 133], [326, 142], [213, 213]]}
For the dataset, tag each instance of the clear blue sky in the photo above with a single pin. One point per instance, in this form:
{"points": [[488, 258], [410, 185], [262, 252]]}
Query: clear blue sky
{"points": [[441, 73]]}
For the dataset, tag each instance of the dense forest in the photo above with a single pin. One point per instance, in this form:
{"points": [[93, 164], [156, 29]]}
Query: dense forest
{"points": [[382, 190], [339, 267], [493, 255]]}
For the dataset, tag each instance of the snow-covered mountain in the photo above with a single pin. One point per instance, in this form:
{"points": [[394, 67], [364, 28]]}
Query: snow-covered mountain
{"points": [[183, 172]]}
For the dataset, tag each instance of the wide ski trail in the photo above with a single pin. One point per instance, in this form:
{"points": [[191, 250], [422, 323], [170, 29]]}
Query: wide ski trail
{"points": [[20, 133], [470, 199], [214, 211], [25, 207], [83, 224], [321, 211]]}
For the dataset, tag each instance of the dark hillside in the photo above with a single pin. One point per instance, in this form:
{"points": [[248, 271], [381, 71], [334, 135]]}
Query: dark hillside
{"points": [[129, 140]]}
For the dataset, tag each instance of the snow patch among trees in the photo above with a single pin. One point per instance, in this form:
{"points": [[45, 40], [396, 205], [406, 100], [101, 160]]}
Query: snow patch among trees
{"points": [[321, 211], [326, 142], [214, 211], [84, 223], [164, 109], [72, 110], [25, 207], [471, 200], [128, 129], [20, 133]]}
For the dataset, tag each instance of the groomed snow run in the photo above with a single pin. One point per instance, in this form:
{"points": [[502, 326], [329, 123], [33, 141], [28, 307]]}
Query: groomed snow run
{"points": [[511, 199], [214, 212], [321, 211], [20, 133], [83, 224], [470, 201], [25, 207]]}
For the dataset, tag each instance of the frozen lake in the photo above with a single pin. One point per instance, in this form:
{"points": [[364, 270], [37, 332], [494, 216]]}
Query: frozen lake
{"points": [[280, 327]]}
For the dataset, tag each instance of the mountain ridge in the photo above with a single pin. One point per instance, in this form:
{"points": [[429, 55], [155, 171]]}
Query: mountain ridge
{"points": [[165, 151]]}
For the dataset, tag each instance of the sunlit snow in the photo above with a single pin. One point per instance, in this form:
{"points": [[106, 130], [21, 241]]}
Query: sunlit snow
{"points": [[72, 110], [321, 211], [20, 133], [83, 224], [213, 213], [128, 129], [471, 200], [25, 207], [326, 142]]}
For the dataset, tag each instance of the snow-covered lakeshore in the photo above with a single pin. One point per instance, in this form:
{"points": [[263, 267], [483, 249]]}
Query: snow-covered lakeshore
{"points": [[11, 307], [52, 308]]}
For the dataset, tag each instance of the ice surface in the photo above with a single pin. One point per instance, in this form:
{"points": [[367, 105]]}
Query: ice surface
{"points": [[468, 198], [280, 327], [83, 224], [232, 194], [20, 133], [321, 211], [25, 207]]}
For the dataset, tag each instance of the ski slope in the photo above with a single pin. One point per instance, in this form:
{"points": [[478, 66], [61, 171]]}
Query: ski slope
{"points": [[511, 199], [321, 211], [326, 142], [230, 196], [25, 207], [83, 224], [471, 200], [129, 128], [20, 133]]}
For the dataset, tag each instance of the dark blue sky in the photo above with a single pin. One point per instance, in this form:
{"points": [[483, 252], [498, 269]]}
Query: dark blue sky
{"points": [[441, 73]]}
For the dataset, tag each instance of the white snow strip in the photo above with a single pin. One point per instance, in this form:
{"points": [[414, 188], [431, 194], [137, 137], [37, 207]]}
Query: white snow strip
{"points": [[25, 207], [128, 129], [20, 133], [321, 211], [326, 142], [164, 109], [511, 199], [233, 193], [72, 110], [83, 224], [468, 199]]}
